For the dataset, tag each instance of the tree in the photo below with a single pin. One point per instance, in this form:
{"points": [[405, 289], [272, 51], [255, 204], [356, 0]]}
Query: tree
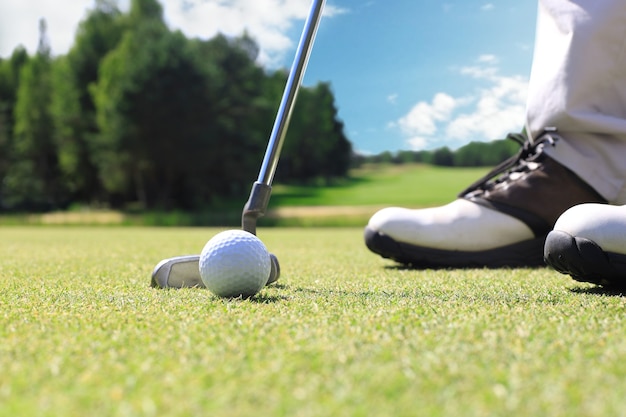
{"points": [[152, 110], [336, 150], [32, 178], [241, 114], [484, 153], [72, 106], [316, 146], [9, 82], [443, 157], [142, 11]]}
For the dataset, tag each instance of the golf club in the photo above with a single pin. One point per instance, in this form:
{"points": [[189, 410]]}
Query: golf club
{"points": [[183, 271]]}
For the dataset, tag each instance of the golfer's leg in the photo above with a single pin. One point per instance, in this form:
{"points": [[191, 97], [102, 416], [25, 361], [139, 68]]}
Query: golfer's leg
{"points": [[578, 85]]}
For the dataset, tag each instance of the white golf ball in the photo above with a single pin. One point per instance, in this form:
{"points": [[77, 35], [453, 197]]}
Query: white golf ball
{"points": [[235, 263]]}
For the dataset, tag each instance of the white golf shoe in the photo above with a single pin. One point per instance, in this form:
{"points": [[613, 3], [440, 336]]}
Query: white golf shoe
{"points": [[589, 244], [500, 221]]}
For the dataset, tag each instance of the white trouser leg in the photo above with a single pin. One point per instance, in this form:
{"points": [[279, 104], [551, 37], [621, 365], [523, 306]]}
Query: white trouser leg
{"points": [[578, 85]]}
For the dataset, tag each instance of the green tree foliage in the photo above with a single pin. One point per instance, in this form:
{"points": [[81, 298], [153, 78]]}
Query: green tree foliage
{"points": [[142, 11], [9, 82], [137, 113], [484, 153], [72, 107], [443, 157], [177, 119], [32, 178], [315, 146], [473, 154], [144, 98], [6, 116], [240, 115]]}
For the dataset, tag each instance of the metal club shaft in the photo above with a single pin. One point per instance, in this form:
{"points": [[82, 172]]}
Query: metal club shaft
{"points": [[303, 52], [261, 190]]}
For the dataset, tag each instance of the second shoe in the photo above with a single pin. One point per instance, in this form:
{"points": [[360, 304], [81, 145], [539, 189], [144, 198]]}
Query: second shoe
{"points": [[589, 244]]}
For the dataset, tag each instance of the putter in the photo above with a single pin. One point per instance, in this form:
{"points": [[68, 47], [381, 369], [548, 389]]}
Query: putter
{"points": [[184, 271]]}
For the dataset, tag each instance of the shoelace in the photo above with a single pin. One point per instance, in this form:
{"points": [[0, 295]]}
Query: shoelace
{"points": [[521, 162]]}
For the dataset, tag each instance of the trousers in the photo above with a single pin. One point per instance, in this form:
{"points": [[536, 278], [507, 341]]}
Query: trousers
{"points": [[578, 85]]}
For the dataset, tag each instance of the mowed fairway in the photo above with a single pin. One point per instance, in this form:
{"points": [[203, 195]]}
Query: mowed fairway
{"points": [[414, 185], [345, 333], [353, 201]]}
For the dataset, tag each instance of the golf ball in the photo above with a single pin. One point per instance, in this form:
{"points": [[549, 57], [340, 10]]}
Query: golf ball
{"points": [[235, 263]]}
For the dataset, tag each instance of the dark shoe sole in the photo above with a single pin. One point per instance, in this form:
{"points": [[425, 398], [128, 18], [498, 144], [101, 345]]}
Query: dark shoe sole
{"points": [[584, 260], [524, 254]]}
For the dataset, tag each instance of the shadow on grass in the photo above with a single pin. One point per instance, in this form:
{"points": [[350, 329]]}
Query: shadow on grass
{"points": [[599, 290], [358, 294], [262, 298], [408, 267], [259, 298], [267, 299]]}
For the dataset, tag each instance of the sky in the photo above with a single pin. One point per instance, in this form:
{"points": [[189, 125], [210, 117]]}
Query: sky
{"points": [[406, 74]]}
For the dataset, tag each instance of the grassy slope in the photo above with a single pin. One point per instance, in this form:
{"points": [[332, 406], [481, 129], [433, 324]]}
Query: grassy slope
{"points": [[408, 185], [345, 333], [353, 201]]}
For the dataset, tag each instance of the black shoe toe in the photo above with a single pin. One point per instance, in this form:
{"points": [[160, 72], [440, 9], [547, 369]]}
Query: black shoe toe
{"points": [[584, 260]]}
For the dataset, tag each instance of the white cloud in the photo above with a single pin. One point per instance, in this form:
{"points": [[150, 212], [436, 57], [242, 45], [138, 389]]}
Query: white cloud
{"points": [[487, 59], [479, 72], [267, 21], [417, 142], [494, 109], [422, 119], [487, 6], [484, 67]]}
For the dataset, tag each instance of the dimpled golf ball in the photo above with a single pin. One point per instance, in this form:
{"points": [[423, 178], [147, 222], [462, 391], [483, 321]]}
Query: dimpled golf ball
{"points": [[235, 263]]}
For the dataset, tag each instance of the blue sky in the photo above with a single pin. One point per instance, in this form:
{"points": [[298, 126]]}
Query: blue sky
{"points": [[407, 74]]}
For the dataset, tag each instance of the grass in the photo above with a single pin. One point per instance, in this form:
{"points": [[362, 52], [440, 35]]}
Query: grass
{"points": [[414, 185], [352, 202], [344, 333]]}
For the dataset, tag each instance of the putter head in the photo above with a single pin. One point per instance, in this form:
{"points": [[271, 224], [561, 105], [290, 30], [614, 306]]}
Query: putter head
{"points": [[184, 272], [177, 272]]}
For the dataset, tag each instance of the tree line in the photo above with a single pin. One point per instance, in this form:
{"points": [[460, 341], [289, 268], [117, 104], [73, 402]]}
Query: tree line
{"points": [[136, 113], [474, 154]]}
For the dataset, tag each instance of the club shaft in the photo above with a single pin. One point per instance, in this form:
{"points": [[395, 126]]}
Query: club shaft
{"points": [[279, 131]]}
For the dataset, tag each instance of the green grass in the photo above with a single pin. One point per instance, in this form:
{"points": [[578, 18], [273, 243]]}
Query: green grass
{"points": [[352, 202], [345, 333], [413, 185]]}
